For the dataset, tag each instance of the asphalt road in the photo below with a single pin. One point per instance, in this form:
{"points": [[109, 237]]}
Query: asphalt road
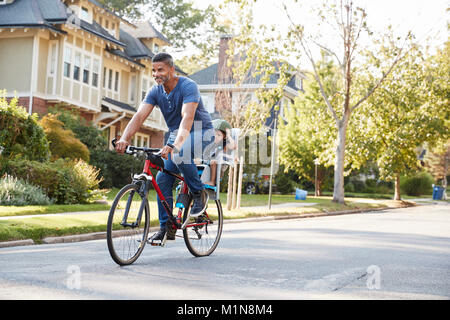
{"points": [[392, 254]]}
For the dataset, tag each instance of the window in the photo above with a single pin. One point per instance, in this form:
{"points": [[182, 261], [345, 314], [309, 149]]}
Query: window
{"points": [[76, 66], [87, 68], [112, 31], [144, 87], [155, 48], [298, 82], [139, 139], [67, 61], [53, 59], [104, 77], [116, 82], [132, 88], [208, 103], [84, 14], [110, 79], [95, 71], [145, 142]]}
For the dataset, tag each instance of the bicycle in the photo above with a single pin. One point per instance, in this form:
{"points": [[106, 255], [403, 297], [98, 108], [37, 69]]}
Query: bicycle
{"points": [[129, 217]]}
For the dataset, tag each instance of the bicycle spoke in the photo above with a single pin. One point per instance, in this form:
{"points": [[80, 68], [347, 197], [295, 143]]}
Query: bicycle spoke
{"points": [[202, 239], [125, 235]]}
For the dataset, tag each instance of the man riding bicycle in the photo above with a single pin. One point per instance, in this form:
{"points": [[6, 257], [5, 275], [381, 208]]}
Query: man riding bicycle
{"points": [[190, 133]]}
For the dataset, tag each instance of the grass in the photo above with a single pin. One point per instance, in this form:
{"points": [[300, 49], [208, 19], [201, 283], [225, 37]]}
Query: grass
{"points": [[42, 226]]}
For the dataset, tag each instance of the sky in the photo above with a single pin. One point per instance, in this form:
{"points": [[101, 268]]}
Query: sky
{"points": [[427, 19]]}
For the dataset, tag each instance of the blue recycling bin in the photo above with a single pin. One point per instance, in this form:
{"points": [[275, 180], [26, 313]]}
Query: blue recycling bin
{"points": [[300, 194], [438, 192]]}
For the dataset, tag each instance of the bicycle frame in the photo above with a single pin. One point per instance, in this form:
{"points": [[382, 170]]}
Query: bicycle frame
{"points": [[177, 221]]}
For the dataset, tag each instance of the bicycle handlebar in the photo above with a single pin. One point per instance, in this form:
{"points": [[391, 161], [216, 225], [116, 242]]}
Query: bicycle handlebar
{"points": [[133, 149]]}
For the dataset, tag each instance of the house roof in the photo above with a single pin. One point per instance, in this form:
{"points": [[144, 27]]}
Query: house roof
{"points": [[51, 13], [134, 47], [145, 29], [101, 5], [46, 14], [97, 30], [208, 76], [119, 104], [33, 13]]}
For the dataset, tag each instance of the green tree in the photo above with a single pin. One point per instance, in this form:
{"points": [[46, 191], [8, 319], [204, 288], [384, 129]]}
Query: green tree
{"points": [[399, 118], [349, 23], [63, 143], [309, 131]]}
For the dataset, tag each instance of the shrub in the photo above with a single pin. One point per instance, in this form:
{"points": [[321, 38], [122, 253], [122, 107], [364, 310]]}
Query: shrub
{"points": [[84, 131], [349, 187], [16, 192], [20, 134], [63, 143], [284, 184], [417, 185], [116, 168], [64, 181]]}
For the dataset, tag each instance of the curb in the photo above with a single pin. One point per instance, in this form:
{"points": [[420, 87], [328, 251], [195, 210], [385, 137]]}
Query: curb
{"points": [[102, 235], [16, 243]]}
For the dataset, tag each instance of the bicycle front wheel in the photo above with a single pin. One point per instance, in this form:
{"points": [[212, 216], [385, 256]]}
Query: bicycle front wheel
{"points": [[202, 234], [128, 225]]}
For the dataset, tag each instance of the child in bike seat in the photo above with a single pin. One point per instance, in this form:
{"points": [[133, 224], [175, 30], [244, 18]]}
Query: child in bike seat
{"points": [[223, 142]]}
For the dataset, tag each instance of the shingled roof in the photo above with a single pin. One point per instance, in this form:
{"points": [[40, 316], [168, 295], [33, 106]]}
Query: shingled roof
{"points": [[208, 76], [52, 13], [33, 13], [145, 29]]}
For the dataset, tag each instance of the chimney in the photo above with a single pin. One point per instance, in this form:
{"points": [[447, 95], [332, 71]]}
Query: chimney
{"points": [[224, 73]]}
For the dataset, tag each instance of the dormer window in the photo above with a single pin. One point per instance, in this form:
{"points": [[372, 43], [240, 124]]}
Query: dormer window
{"points": [[84, 14], [298, 82]]}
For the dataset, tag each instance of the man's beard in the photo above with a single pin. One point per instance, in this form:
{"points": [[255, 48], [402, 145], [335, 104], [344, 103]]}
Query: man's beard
{"points": [[163, 79]]}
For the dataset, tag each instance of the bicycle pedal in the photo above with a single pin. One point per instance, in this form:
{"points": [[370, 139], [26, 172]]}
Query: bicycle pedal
{"points": [[160, 243]]}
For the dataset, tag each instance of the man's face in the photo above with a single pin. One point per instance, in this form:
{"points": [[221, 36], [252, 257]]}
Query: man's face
{"points": [[162, 72]]}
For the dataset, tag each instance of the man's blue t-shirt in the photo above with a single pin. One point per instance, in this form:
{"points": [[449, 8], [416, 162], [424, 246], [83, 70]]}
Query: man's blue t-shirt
{"points": [[170, 104]]}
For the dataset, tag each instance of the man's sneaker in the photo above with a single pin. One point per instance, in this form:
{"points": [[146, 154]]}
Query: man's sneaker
{"points": [[200, 203], [171, 231], [158, 236]]}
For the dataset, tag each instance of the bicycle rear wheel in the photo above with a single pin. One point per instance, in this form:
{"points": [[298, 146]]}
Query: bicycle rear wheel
{"points": [[128, 225], [202, 234]]}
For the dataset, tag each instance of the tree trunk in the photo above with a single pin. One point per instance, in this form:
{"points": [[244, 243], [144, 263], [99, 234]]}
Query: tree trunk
{"points": [[338, 192], [397, 195], [239, 188], [444, 180]]}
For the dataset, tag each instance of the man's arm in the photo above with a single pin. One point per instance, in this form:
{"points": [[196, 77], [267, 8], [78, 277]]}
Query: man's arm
{"points": [[187, 119], [133, 126]]}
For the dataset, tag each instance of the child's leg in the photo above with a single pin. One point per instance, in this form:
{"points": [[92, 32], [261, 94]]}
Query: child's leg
{"points": [[213, 166]]}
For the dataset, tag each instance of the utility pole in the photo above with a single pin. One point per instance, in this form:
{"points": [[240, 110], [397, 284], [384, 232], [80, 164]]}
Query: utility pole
{"points": [[272, 161]]}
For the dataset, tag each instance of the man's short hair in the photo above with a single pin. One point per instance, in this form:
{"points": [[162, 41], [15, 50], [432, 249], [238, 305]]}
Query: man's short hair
{"points": [[163, 57]]}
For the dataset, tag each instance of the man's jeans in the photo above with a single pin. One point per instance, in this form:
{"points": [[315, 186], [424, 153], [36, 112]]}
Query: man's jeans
{"points": [[198, 145]]}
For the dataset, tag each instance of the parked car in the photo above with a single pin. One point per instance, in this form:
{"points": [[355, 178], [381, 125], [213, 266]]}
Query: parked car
{"points": [[256, 183]]}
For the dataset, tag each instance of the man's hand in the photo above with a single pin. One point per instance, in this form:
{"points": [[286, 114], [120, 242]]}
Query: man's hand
{"points": [[165, 152], [121, 145]]}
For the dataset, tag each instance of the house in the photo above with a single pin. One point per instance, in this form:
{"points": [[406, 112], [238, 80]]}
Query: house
{"points": [[79, 53], [221, 94]]}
